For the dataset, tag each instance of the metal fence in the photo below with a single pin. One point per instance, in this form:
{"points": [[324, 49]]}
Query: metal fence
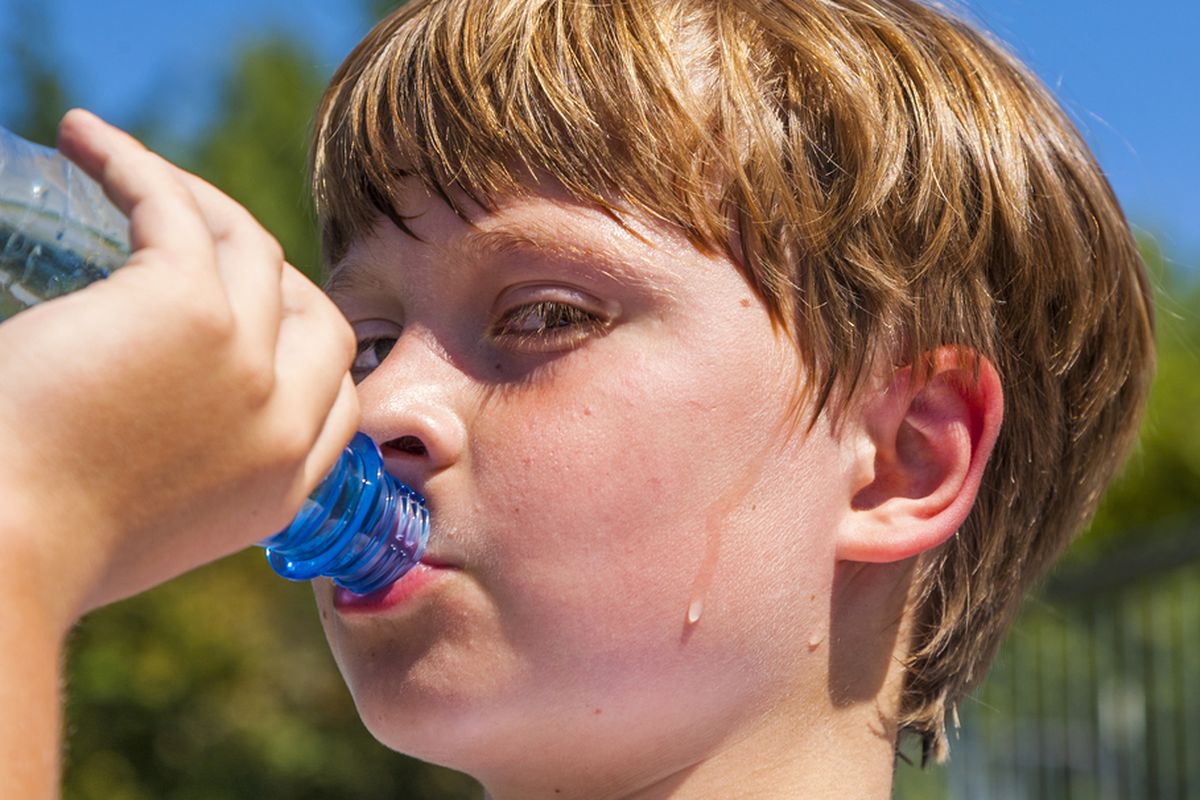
{"points": [[1096, 693]]}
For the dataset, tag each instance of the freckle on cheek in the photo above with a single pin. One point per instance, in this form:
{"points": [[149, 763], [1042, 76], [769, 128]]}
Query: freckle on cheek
{"points": [[745, 302]]}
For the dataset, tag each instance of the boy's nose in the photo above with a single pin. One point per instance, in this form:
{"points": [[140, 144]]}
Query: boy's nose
{"points": [[408, 406]]}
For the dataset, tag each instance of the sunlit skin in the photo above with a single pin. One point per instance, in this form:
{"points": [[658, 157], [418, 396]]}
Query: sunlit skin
{"points": [[589, 481], [642, 528]]}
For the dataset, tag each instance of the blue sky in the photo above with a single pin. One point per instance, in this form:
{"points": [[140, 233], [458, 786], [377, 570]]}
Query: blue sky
{"points": [[1127, 75]]}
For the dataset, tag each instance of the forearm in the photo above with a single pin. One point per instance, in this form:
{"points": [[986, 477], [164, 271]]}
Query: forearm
{"points": [[30, 679]]}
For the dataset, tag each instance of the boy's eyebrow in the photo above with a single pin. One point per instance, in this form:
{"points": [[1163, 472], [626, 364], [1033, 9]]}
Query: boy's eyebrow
{"points": [[477, 245], [618, 265], [345, 277]]}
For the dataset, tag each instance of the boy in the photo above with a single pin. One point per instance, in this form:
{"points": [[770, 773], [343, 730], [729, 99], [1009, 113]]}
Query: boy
{"points": [[696, 323]]}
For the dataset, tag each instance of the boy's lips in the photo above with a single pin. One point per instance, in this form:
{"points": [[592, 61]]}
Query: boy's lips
{"points": [[412, 584]]}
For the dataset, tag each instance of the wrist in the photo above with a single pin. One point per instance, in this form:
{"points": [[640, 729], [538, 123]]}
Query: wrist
{"points": [[39, 583]]}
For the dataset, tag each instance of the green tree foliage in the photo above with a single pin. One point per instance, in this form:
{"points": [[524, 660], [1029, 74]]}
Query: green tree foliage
{"points": [[256, 150], [219, 686]]}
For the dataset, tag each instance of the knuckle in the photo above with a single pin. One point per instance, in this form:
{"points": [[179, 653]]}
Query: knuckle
{"points": [[211, 322], [121, 165], [256, 380], [348, 416], [288, 445], [346, 340], [133, 167], [273, 251], [201, 310]]}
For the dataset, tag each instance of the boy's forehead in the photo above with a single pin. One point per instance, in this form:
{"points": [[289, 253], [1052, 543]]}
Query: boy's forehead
{"points": [[625, 245]]}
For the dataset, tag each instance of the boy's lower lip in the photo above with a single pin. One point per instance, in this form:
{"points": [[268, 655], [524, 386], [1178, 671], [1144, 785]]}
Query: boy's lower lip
{"points": [[411, 584]]}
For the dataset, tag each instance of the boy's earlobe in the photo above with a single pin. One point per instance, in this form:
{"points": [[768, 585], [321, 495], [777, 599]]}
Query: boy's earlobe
{"points": [[924, 444]]}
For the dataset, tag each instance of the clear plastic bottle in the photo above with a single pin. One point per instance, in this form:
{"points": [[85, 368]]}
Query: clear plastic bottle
{"points": [[59, 233]]}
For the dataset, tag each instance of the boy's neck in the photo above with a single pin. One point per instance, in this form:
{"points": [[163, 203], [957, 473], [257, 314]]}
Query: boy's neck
{"points": [[849, 754]]}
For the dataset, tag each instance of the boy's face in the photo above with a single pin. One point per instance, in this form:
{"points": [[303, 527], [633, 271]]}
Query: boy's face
{"points": [[606, 442]]}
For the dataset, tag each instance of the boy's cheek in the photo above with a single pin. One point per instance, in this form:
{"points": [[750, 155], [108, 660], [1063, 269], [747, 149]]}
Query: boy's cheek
{"points": [[622, 539], [625, 464], [595, 485]]}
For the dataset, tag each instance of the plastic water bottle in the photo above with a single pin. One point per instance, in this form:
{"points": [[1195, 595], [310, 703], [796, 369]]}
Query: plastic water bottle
{"points": [[59, 233]]}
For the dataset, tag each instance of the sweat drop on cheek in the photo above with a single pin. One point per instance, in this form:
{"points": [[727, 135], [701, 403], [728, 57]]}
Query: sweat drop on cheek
{"points": [[58, 233]]}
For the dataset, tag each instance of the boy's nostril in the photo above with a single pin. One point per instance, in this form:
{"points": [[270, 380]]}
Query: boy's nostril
{"points": [[408, 444]]}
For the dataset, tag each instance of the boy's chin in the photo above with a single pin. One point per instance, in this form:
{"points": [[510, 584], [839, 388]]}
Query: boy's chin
{"points": [[443, 738], [451, 731], [437, 700]]}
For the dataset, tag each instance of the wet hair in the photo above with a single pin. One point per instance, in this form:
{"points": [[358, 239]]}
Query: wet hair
{"points": [[888, 179]]}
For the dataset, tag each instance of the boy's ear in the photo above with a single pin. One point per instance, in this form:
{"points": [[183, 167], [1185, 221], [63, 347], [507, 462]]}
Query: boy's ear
{"points": [[920, 452]]}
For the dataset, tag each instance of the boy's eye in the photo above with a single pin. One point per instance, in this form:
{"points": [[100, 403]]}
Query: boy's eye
{"points": [[371, 353], [546, 326]]}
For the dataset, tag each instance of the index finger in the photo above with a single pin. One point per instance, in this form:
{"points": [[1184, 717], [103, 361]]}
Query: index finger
{"points": [[162, 213]]}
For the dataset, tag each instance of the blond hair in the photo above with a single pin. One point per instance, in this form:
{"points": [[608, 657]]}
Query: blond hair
{"points": [[887, 178]]}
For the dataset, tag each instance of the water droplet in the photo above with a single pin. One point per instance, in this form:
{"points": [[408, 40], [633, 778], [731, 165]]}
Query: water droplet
{"points": [[695, 609]]}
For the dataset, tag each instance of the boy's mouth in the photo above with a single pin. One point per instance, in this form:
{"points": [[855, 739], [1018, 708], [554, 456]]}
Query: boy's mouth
{"points": [[408, 588]]}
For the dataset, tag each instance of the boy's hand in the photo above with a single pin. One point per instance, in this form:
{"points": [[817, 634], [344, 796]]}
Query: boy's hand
{"points": [[174, 413]]}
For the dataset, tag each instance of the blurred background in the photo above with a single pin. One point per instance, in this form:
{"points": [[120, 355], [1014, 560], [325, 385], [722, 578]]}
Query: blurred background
{"points": [[219, 685]]}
